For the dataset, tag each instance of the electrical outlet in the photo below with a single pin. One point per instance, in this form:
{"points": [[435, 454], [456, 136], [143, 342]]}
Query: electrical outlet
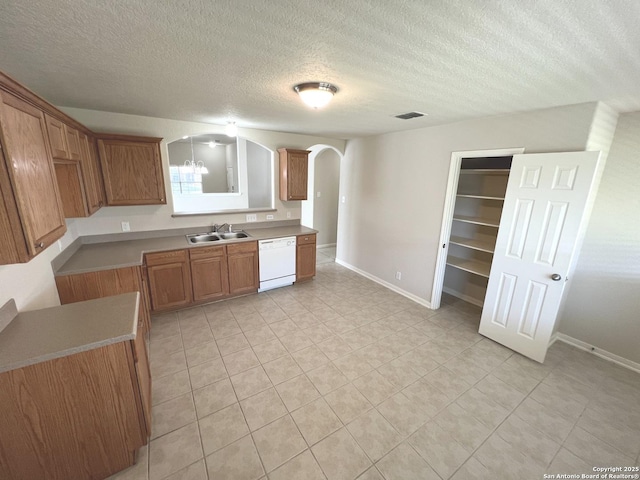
{"points": [[344, 199], [318, 194], [269, 217], [126, 227], [398, 275], [288, 214], [252, 217]]}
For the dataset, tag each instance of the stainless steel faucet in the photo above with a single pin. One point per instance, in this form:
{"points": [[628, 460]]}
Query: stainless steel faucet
{"points": [[221, 228]]}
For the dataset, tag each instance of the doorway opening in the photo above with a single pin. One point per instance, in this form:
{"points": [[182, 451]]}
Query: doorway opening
{"points": [[320, 211], [473, 206]]}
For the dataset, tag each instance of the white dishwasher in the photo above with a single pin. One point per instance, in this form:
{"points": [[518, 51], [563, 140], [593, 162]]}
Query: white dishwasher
{"points": [[277, 259]]}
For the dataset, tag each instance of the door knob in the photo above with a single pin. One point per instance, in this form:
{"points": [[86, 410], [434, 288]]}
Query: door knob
{"points": [[556, 277]]}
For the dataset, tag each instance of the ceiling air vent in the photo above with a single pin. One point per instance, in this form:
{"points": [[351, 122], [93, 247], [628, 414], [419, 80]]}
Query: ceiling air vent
{"points": [[407, 116]]}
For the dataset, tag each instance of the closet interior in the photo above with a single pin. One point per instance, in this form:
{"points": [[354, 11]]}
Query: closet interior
{"points": [[482, 184]]}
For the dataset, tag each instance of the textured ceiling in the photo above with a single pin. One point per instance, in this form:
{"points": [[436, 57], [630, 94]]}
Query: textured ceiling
{"points": [[214, 61]]}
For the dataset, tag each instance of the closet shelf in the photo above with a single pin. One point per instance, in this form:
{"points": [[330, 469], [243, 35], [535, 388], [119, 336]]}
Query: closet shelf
{"points": [[480, 197], [476, 220], [485, 171], [472, 266], [481, 245]]}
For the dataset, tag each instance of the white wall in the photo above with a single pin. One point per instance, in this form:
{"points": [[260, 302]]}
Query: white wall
{"points": [[31, 284], [327, 183], [603, 302], [396, 183]]}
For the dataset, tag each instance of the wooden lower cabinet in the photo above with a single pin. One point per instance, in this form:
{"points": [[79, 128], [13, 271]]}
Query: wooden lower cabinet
{"points": [[305, 257], [178, 278], [77, 416], [209, 273], [242, 259], [169, 279]]}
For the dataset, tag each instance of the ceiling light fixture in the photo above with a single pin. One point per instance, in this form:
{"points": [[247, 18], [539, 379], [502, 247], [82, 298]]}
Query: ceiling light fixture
{"points": [[185, 137], [213, 144], [316, 94], [231, 129]]}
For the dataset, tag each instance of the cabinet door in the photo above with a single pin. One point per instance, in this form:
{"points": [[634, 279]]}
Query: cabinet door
{"points": [[31, 179], [305, 258], [297, 176], [293, 174], [132, 170], [169, 279], [72, 189], [73, 143], [209, 273], [243, 268], [57, 137], [94, 190]]}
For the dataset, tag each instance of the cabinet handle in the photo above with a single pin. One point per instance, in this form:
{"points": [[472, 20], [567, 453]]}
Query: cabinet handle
{"points": [[40, 245]]}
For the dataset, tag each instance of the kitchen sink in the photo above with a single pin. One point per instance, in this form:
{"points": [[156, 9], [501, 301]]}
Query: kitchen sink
{"points": [[211, 237], [203, 238], [229, 235]]}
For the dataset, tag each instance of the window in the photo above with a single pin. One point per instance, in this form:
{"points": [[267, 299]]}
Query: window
{"points": [[185, 181]]}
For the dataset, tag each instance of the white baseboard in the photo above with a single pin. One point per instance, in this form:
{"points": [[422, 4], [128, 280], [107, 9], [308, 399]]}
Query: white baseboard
{"points": [[598, 352], [326, 245], [462, 296], [384, 283]]}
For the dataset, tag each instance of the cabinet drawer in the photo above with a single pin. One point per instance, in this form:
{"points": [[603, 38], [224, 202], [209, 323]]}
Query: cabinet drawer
{"points": [[304, 239], [162, 258], [207, 252], [242, 248]]}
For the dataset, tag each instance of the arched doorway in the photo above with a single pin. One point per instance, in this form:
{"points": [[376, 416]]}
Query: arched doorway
{"points": [[321, 209]]}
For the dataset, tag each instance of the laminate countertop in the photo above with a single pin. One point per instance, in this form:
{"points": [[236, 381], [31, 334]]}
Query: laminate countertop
{"points": [[108, 255], [54, 332]]}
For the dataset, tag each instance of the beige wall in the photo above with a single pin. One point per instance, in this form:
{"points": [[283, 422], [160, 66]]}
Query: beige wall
{"points": [[603, 302], [397, 183], [325, 207]]}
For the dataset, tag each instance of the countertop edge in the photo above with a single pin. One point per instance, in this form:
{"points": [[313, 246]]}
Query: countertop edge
{"points": [[66, 353]]}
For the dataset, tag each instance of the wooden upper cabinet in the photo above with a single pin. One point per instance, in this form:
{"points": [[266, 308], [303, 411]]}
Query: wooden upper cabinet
{"points": [[57, 138], [93, 186], [31, 215], [293, 174], [71, 187], [73, 143], [132, 170]]}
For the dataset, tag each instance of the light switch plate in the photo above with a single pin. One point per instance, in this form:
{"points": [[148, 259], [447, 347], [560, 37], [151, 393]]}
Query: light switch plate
{"points": [[252, 217]]}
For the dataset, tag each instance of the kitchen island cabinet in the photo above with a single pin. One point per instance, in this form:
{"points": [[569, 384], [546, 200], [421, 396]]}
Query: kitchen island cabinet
{"points": [[75, 391]]}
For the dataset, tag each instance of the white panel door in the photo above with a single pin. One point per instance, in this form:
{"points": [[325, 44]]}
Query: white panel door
{"points": [[543, 217]]}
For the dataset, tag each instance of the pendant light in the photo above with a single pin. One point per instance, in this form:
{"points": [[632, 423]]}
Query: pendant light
{"points": [[192, 166]]}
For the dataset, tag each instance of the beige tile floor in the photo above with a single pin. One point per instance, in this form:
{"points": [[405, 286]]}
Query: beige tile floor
{"points": [[342, 379]]}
